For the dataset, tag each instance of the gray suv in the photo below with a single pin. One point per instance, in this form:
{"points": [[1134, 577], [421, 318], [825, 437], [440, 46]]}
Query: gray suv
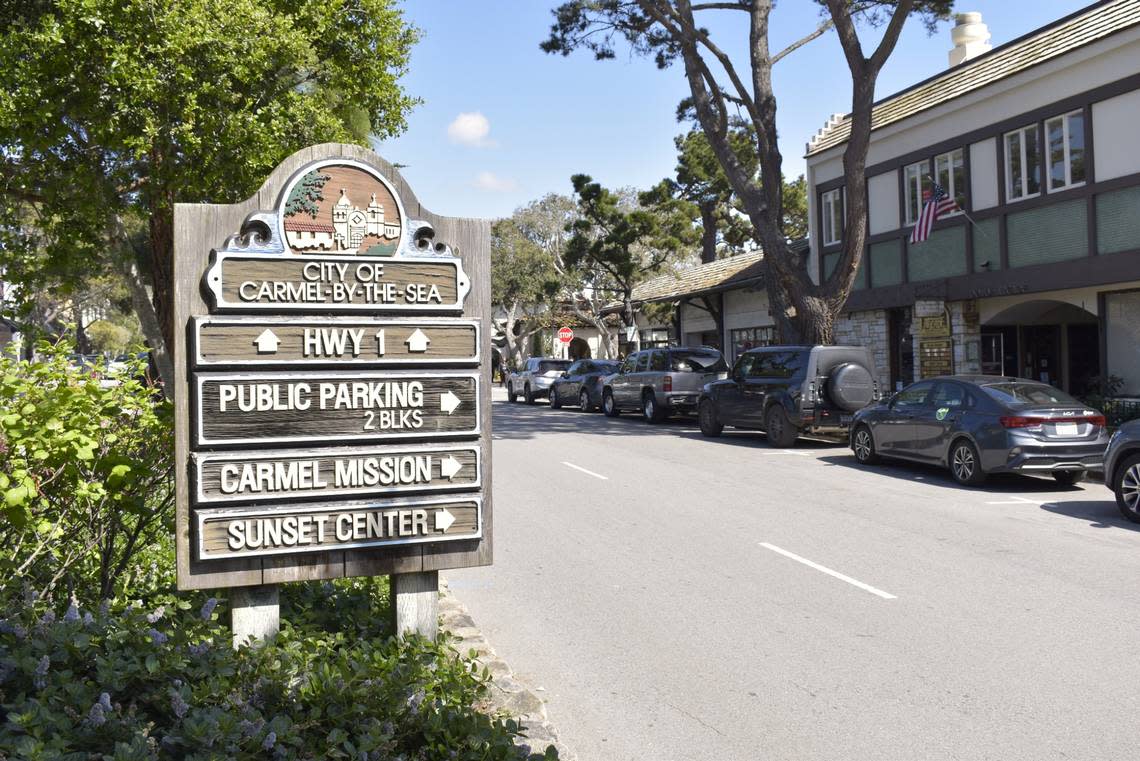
{"points": [[660, 382], [1122, 469], [787, 391], [533, 381]]}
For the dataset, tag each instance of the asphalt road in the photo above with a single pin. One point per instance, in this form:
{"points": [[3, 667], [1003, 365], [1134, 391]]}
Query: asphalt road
{"points": [[677, 597]]}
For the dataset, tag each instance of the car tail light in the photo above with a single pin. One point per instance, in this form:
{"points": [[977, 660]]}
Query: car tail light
{"points": [[812, 393], [667, 383], [1035, 423]]}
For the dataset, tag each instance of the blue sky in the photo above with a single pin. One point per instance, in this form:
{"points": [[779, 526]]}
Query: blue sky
{"points": [[533, 119]]}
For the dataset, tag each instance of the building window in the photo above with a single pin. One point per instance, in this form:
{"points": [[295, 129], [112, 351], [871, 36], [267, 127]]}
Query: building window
{"points": [[1022, 164], [950, 173], [832, 217], [912, 190], [651, 337], [744, 339], [1065, 136]]}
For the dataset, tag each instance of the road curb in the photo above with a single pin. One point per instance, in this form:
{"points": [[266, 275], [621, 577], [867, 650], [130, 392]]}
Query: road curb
{"points": [[508, 696]]}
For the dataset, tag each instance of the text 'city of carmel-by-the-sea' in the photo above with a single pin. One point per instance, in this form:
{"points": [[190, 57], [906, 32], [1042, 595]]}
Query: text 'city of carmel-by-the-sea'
{"points": [[324, 282]]}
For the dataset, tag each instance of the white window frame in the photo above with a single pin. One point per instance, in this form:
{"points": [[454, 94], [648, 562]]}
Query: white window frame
{"points": [[950, 186], [829, 201], [1065, 139], [912, 188], [1030, 129]]}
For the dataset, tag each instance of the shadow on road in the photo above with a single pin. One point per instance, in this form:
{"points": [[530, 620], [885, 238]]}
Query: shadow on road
{"points": [[1099, 514], [997, 483]]}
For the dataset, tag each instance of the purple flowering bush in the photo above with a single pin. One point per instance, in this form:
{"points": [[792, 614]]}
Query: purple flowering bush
{"points": [[133, 684]]}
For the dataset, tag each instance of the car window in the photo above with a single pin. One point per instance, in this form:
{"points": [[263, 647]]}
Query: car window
{"points": [[783, 364], [578, 367], [762, 366], [657, 361], [697, 361], [1027, 393], [913, 396], [743, 366], [642, 361], [629, 364], [606, 367], [949, 395], [550, 365]]}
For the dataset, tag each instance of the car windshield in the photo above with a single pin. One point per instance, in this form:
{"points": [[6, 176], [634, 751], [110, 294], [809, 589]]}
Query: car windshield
{"points": [[697, 362], [1027, 393], [606, 367], [552, 366]]}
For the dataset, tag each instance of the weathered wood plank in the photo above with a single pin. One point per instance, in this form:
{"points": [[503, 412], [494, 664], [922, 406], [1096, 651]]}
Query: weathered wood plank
{"points": [[282, 474], [335, 340], [269, 407]]}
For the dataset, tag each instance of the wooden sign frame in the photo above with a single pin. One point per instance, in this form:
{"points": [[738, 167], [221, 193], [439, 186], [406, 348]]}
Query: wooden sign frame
{"points": [[254, 227]]}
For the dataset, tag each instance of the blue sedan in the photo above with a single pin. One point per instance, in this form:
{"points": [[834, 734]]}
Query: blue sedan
{"points": [[980, 424]]}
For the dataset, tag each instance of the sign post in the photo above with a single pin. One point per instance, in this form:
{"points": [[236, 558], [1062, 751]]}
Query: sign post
{"points": [[332, 403]]}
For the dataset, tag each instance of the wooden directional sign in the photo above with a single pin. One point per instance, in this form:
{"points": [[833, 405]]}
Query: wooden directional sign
{"points": [[331, 389], [331, 340], [237, 532], [332, 283], [334, 472], [334, 406]]}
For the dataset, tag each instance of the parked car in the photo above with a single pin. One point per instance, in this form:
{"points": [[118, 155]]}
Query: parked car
{"points": [[980, 424], [660, 382], [581, 384], [787, 391], [534, 379], [1122, 469]]}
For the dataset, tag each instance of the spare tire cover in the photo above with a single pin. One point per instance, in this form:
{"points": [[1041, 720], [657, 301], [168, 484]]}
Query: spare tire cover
{"points": [[850, 386]]}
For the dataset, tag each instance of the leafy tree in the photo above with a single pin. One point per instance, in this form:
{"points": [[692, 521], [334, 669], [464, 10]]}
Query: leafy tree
{"points": [[669, 31], [113, 110], [307, 193], [795, 208], [621, 246], [524, 279]]}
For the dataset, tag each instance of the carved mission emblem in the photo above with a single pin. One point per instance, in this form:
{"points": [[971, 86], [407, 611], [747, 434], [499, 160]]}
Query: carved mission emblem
{"points": [[342, 209]]}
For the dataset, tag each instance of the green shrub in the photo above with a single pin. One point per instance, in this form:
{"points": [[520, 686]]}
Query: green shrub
{"points": [[85, 476], [165, 684]]}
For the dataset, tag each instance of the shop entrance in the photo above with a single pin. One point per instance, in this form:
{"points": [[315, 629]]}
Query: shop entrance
{"points": [[1049, 341]]}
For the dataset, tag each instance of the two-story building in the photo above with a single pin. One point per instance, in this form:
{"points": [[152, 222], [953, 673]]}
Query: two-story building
{"points": [[1038, 274]]}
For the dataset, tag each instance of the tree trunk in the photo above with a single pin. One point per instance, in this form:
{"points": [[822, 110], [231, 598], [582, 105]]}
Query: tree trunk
{"points": [[629, 319], [708, 232], [162, 269]]}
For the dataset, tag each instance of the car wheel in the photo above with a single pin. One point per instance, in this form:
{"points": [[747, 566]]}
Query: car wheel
{"points": [[609, 406], [707, 418], [528, 395], [554, 401], [512, 397], [1068, 477], [1127, 488], [863, 444], [965, 465], [584, 401], [781, 432], [651, 409]]}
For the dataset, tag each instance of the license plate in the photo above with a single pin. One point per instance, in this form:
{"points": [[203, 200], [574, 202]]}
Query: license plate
{"points": [[1066, 429], [845, 419]]}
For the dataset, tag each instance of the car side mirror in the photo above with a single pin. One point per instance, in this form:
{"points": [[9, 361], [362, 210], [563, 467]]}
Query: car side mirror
{"points": [[565, 374], [737, 376]]}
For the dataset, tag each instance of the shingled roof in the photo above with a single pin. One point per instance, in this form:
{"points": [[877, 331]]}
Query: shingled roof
{"points": [[721, 275], [1082, 28]]}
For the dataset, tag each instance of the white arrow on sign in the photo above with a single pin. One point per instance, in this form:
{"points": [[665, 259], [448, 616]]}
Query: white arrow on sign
{"points": [[443, 519], [450, 467], [267, 342], [418, 341], [449, 402]]}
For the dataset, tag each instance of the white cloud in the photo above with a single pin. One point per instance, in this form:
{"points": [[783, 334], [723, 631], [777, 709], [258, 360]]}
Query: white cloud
{"points": [[470, 129], [494, 183]]}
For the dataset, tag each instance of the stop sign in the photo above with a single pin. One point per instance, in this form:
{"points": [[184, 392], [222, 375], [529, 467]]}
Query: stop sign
{"points": [[565, 335]]}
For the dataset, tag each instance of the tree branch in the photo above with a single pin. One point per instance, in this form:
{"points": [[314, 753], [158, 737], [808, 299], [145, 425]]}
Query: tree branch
{"points": [[819, 32]]}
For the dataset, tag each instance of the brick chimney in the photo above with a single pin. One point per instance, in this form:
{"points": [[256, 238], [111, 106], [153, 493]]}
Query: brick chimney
{"points": [[971, 38]]}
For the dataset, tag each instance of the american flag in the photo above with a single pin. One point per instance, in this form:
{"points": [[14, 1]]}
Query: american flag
{"points": [[937, 204]]}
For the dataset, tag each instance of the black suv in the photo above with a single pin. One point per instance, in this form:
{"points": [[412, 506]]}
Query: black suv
{"points": [[787, 391]]}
